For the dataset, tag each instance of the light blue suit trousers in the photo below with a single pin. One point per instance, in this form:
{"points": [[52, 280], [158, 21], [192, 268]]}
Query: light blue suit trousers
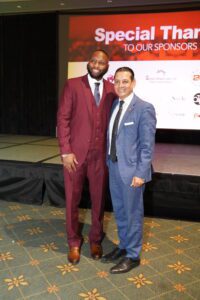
{"points": [[129, 212]]}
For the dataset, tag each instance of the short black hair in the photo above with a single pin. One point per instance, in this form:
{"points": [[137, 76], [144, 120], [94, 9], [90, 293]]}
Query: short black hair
{"points": [[126, 69]]}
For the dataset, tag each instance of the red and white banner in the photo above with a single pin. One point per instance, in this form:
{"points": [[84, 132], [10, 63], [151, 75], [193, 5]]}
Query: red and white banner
{"points": [[153, 36], [163, 49]]}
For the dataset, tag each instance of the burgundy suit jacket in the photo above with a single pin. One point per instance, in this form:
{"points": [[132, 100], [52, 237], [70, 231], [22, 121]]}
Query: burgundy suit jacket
{"points": [[74, 117]]}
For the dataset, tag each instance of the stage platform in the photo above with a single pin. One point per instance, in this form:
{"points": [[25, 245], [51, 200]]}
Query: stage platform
{"points": [[31, 172]]}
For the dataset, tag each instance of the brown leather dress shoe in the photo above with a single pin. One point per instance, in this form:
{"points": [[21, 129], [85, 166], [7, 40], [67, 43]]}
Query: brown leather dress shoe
{"points": [[74, 255], [96, 251]]}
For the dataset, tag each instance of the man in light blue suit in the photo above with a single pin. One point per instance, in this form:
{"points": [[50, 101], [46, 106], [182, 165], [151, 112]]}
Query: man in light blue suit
{"points": [[131, 138]]}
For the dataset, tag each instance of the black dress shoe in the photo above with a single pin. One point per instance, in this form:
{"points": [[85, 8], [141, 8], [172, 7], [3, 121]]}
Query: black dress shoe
{"points": [[113, 255], [125, 265]]}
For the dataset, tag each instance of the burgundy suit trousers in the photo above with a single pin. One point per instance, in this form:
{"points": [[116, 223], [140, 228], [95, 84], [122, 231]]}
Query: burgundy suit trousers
{"points": [[94, 168]]}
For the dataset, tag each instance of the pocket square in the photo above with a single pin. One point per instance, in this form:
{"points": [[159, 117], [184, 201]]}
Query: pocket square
{"points": [[128, 123]]}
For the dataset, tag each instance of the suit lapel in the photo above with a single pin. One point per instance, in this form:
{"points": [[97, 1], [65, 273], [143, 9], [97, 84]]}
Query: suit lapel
{"points": [[128, 112], [115, 103], [87, 94], [105, 87]]}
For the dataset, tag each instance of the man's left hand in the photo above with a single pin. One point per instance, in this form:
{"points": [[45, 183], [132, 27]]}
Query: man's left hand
{"points": [[137, 182]]}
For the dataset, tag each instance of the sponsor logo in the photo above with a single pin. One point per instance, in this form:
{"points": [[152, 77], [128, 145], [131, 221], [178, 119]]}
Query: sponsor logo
{"points": [[196, 77], [178, 98], [160, 76], [197, 99]]}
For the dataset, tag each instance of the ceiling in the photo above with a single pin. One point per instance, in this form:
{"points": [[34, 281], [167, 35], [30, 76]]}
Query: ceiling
{"points": [[34, 6]]}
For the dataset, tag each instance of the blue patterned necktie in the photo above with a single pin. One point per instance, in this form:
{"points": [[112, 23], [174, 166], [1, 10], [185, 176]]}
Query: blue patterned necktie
{"points": [[97, 93]]}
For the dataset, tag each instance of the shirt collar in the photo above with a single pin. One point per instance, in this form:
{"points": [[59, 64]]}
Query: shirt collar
{"points": [[127, 100], [93, 80]]}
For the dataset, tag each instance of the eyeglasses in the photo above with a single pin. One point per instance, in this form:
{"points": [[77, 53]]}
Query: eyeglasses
{"points": [[99, 62]]}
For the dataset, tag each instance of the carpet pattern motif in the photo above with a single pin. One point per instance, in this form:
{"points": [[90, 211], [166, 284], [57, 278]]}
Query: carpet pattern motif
{"points": [[34, 265]]}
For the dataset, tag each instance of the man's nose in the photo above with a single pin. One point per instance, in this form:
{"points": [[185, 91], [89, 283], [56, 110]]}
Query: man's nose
{"points": [[96, 63], [121, 84]]}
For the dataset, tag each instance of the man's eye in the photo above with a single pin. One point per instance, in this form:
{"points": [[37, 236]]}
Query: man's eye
{"points": [[101, 63]]}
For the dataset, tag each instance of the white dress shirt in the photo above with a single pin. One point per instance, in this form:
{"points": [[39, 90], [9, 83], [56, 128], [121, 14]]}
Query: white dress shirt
{"points": [[92, 85]]}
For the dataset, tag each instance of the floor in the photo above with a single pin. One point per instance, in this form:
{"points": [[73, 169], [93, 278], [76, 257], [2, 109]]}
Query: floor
{"points": [[33, 249], [33, 259], [168, 158]]}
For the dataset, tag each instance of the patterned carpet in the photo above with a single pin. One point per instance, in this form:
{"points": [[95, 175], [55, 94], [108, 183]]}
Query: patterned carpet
{"points": [[33, 260]]}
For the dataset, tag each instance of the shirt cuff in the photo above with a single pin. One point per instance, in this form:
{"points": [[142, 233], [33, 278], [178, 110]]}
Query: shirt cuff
{"points": [[64, 155]]}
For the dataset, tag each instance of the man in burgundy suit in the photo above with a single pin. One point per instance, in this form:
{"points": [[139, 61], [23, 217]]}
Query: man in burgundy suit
{"points": [[82, 121]]}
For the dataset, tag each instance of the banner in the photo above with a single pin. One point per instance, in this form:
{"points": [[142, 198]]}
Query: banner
{"points": [[163, 49]]}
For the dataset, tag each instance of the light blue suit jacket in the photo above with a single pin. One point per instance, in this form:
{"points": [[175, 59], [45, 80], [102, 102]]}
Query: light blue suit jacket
{"points": [[135, 140]]}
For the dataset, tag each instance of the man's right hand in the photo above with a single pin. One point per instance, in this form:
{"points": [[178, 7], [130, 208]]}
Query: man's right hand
{"points": [[70, 162]]}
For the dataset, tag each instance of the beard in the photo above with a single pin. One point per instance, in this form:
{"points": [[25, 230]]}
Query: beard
{"points": [[99, 75]]}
